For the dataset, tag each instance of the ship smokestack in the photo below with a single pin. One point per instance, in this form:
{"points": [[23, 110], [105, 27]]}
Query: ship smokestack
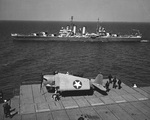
{"points": [[83, 31], [67, 28], [74, 29]]}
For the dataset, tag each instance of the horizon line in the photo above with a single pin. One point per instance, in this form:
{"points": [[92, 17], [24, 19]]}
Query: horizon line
{"points": [[78, 21]]}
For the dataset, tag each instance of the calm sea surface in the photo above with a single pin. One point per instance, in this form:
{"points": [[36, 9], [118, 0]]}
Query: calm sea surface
{"points": [[25, 61]]}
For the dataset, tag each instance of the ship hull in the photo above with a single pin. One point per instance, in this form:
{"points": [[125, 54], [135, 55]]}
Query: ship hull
{"points": [[82, 39]]}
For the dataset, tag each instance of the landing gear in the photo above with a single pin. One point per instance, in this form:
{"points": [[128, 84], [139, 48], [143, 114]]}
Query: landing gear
{"points": [[56, 95]]}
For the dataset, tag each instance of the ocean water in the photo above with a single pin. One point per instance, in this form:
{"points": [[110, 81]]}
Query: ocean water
{"points": [[25, 61]]}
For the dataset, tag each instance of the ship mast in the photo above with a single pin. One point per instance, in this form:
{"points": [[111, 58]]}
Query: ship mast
{"points": [[71, 26], [97, 29]]}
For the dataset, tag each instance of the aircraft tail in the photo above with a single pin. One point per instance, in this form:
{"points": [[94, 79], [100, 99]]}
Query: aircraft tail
{"points": [[99, 79], [98, 82]]}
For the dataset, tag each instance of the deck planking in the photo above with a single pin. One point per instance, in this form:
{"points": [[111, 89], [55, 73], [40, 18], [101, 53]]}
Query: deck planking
{"points": [[107, 100], [129, 89], [60, 115], [142, 92], [29, 116], [105, 113], [142, 107], [129, 97], [146, 89], [133, 112], [96, 93], [73, 114], [82, 102], [27, 108], [41, 107], [44, 116], [69, 104], [139, 96], [90, 113], [55, 106], [26, 94], [35, 103], [95, 101], [119, 112], [38, 97], [146, 102]]}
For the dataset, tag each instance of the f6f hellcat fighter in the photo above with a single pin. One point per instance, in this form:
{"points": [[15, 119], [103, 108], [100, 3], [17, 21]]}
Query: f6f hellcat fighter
{"points": [[64, 82]]}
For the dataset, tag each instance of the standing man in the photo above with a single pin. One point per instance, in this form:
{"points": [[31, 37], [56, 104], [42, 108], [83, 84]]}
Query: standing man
{"points": [[114, 82], [119, 84], [110, 77], [107, 86], [7, 108]]}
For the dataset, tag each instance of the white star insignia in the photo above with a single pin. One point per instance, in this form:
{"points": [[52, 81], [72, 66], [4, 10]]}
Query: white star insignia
{"points": [[77, 84]]}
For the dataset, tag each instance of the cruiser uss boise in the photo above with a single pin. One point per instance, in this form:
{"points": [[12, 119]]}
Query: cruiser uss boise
{"points": [[71, 33]]}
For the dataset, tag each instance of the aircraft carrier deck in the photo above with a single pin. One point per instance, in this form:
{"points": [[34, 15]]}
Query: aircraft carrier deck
{"points": [[120, 104]]}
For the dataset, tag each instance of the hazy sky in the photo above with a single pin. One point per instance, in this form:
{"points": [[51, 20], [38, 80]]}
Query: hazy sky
{"points": [[82, 10]]}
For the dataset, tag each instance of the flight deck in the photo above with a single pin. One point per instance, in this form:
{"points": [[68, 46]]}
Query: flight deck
{"points": [[34, 103]]}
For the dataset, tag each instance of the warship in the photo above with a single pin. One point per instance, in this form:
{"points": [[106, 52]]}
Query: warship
{"points": [[71, 33]]}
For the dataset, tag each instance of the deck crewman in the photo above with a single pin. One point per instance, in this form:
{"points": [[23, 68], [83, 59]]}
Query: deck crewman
{"points": [[7, 110], [119, 84], [107, 86], [110, 77], [114, 82]]}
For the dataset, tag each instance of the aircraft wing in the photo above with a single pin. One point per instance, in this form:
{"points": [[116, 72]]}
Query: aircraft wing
{"points": [[49, 77], [67, 82], [99, 86]]}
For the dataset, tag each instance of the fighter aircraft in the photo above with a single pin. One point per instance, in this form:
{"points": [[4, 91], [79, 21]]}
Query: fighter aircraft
{"points": [[65, 82]]}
